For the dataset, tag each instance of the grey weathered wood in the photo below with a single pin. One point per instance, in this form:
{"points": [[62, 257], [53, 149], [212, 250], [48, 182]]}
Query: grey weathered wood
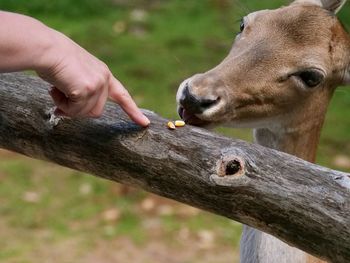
{"points": [[304, 204]]}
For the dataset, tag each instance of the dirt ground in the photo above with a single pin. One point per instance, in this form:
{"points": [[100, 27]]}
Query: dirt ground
{"points": [[36, 222]]}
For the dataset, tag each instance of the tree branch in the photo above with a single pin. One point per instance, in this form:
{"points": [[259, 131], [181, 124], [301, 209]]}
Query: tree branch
{"points": [[301, 203]]}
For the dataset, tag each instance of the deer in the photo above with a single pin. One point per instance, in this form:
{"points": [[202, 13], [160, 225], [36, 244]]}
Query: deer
{"points": [[277, 79]]}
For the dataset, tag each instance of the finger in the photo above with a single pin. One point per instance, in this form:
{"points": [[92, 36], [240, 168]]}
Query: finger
{"points": [[70, 107], [58, 112], [57, 95], [90, 103], [97, 110], [121, 96], [59, 98]]}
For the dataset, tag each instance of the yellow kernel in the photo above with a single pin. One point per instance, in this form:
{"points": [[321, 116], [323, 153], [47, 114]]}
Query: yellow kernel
{"points": [[179, 123], [171, 125]]}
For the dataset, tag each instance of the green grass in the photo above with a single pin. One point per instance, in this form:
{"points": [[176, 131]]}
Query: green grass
{"points": [[151, 57]]}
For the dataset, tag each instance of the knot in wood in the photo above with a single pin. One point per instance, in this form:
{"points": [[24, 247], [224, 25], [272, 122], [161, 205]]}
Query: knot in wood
{"points": [[230, 166]]}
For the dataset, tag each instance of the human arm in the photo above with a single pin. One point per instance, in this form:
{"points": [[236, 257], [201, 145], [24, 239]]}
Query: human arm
{"points": [[81, 82]]}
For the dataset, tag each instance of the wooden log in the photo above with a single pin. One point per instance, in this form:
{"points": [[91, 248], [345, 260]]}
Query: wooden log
{"points": [[306, 205]]}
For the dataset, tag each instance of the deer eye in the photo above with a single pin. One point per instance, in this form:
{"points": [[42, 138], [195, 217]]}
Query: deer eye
{"points": [[311, 77], [241, 26]]}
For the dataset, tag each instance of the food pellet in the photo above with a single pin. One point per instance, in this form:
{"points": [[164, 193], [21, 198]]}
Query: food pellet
{"points": [[171, 125], [179, 123]]}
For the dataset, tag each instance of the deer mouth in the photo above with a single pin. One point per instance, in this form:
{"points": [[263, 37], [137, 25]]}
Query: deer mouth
{"points": [[191, 118]]}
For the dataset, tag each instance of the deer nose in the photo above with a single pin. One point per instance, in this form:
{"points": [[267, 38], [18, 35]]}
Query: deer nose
{"points": [[195, 104]]}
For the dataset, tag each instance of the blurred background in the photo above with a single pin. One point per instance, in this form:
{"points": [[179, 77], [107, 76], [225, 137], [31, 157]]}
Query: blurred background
{"points": [[53, 214]]}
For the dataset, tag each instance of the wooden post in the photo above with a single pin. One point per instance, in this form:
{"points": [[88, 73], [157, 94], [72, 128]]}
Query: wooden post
{"points": [[306, 205]]}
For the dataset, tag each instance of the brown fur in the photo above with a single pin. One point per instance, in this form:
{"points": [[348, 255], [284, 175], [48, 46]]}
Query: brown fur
{"points": [[255, 81], [243, 73]]}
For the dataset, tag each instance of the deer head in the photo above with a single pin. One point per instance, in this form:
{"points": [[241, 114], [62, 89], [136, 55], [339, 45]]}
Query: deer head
{"points": [[279, 77], [283, 68]]}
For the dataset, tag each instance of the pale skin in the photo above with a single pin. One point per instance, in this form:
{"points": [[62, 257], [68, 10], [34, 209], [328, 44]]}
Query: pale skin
{"points": [[81, 83]]}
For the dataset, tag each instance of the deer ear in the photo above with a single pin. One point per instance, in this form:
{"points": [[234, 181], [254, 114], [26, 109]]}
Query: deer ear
{"points": [[331, 5]]}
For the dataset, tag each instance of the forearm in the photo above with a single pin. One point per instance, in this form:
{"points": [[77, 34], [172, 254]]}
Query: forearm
{"points": [[24, 41]]}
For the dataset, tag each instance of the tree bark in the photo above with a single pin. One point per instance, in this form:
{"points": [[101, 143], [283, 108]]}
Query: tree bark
{"points": [[305, 205]]}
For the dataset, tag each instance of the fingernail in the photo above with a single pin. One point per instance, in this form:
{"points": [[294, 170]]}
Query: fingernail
{"points": [[145, 121]]}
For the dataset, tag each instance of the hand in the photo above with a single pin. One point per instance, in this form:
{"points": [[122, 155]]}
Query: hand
{"points": [[82, 83]]}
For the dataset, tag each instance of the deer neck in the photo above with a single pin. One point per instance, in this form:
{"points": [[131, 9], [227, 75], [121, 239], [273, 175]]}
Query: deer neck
{"points": [[299, 138]]}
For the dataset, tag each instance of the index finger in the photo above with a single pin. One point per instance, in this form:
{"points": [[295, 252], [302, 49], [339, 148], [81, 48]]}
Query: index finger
{"points": [[120, 95]]}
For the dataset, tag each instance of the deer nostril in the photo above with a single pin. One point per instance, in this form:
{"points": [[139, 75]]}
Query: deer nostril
{"points": [[207, 103], [195, 104]]}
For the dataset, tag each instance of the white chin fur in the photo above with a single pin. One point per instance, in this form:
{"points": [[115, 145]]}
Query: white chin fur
{"points": [[213, 110]]}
